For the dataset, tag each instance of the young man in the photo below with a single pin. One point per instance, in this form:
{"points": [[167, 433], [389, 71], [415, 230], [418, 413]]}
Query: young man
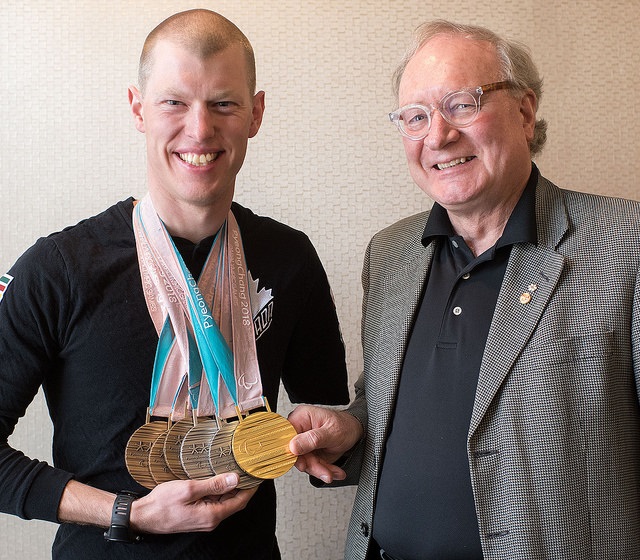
{"points": [[83, 310]]}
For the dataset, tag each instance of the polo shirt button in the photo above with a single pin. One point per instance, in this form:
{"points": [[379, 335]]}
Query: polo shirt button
{"points": [[466, 276], [457, 310]]}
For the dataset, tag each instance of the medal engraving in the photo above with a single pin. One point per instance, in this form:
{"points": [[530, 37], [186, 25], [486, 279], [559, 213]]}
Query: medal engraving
{"points": [[221, 456], [136, 453], [173, 445], [160, 471], [261, 445], [194, 452]]}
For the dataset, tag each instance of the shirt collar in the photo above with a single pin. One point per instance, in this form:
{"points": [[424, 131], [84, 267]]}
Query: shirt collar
{"points": [[520, 228]]}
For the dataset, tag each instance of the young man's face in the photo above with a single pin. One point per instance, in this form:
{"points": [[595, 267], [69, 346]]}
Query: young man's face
{"points": [[197, 115]]}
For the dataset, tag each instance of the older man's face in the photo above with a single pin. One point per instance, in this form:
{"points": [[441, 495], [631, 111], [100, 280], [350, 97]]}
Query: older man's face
{"points": [[478, 169]]}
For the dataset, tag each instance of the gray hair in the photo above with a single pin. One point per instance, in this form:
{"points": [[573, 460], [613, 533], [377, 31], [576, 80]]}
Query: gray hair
{"points": [[514, 59]]}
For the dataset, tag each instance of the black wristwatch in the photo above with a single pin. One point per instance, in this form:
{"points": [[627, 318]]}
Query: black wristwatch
{"points": [[120, 530]]}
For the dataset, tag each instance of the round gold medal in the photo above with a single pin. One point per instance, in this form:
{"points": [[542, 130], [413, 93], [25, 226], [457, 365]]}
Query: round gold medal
{"points": [[221, 456], [261, 445], [194, 452], [173, 444], [160, 471], [136, 454]]}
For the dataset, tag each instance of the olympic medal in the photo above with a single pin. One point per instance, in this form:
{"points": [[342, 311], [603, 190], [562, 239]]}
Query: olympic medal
{"points": [[194, 451], [160, 471], [173, 444], [221, 456], [261, 445], [137, 451]]}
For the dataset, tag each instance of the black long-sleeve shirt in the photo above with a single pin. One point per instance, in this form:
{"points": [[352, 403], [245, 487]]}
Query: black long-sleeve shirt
{"points": [[74, 321]]}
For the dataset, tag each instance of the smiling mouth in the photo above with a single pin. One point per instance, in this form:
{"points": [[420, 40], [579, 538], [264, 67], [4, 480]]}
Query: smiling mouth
{"points": [[453, 163], [199, 159]]}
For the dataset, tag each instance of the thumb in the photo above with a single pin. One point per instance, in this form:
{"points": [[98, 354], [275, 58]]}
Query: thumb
{"points": [[306, 442], [220, 484]]}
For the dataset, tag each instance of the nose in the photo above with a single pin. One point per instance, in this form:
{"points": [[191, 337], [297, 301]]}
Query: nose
{"points": [[441, 132], [201, 124]]}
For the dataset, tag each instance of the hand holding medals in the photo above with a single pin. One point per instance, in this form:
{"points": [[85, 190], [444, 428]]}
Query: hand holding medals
{"points": [[216, 437], [256, 448]]}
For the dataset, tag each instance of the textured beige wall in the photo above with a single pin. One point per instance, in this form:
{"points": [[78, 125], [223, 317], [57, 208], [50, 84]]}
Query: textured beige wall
{"points": [[326, 160]]}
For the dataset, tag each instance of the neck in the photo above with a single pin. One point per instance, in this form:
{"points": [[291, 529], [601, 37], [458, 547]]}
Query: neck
{"points": [[482, 227], [479, 234], [191, 222]]}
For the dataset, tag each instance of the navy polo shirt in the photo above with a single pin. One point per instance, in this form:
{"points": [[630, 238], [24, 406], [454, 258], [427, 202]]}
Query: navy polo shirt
{"points": [[425, 507]]}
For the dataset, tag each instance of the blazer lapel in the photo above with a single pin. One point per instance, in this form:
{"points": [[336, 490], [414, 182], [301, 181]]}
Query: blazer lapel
{"points": [[530, 279], [402, 292]]}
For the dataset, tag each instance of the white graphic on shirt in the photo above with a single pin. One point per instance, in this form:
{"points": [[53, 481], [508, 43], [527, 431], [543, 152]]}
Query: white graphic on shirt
{"points": [[261, 307]]}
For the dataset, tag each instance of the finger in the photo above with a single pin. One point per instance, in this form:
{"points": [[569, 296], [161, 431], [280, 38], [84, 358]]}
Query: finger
{"points": [[300, 418], [320, 469], [236, 500], [209, 512], [301, 464]]}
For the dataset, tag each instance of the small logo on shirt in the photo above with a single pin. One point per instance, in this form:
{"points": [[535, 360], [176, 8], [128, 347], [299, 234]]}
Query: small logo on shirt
{"points": [[5, 280], [261, 307]]}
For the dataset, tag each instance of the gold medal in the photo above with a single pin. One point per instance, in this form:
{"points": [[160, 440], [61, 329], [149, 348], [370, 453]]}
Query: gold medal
{"points": [[194, 452], [261, 445], [221, 456], [173, 444], [160, 471], [136, 453]]}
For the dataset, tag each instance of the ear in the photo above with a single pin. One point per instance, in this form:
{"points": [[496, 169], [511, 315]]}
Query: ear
{"points": [[135, 102], [528, 108], [257, 113]]}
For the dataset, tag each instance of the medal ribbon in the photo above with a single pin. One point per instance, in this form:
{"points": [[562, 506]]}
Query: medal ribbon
{"points": [[181, 310]]}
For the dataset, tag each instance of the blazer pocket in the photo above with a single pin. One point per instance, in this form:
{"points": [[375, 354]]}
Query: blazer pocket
{"points": [[572, 349]]}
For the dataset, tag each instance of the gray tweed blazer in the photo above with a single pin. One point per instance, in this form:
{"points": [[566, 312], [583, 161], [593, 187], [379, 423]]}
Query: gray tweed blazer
{"points": [[554, 440]]}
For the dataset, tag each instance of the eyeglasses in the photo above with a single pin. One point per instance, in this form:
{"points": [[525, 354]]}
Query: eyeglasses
{"points": [[458, 108]]}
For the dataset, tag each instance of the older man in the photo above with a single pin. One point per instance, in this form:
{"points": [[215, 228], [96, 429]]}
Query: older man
{"points": [[85, 310], [497, 415]]}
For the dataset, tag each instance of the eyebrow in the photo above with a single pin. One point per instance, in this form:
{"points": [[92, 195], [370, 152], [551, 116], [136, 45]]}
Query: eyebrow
{"points": [[176, 92]]}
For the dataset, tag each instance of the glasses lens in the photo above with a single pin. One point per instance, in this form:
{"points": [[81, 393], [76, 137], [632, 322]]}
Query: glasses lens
{"points": [[460, 108], [414, 121]]}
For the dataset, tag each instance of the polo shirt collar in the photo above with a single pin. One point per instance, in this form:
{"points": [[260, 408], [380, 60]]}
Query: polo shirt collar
{"points": [[520, 228]]}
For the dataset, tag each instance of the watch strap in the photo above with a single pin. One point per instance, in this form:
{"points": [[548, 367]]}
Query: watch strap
{"points": [[120, 529]]}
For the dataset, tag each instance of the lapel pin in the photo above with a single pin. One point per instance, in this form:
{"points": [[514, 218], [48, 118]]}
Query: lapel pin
{"points": [[525, 298]]}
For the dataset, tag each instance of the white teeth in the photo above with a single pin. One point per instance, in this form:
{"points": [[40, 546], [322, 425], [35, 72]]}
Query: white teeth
{"points": [[452, 163], [198, 159]]}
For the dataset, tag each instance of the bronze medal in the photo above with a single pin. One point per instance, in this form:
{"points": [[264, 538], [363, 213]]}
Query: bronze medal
{"points": [[221, 456], [158, 466], [261, 445], [173, 445], [194, 452], [136, 453]]}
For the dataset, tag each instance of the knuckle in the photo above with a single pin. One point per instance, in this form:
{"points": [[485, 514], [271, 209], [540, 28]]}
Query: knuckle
{"points": [[314, 438], [217, 484]]}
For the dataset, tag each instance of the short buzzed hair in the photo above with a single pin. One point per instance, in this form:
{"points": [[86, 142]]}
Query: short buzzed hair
{"points": [[203, 32]]}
